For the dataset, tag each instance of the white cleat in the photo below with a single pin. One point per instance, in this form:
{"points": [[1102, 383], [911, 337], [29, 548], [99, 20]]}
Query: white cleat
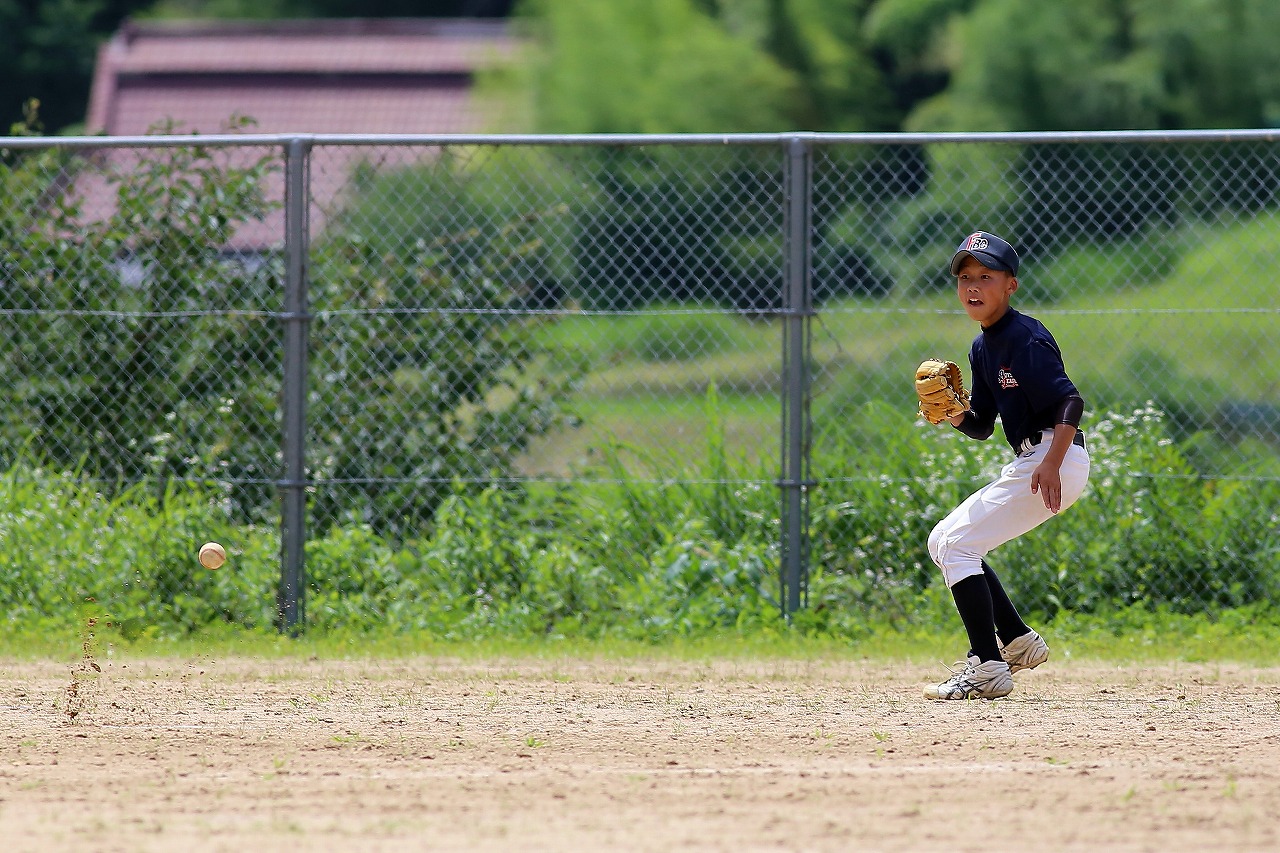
{"points": [[974, 680], [1026, 652]]}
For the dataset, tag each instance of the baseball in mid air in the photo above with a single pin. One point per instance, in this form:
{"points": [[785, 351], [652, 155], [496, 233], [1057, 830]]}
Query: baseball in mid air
{"points": [[212, 555]]}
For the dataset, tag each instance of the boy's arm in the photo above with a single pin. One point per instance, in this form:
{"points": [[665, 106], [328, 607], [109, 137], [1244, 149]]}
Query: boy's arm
{"points": [[1047, 478], [974, 426], [980, 421]]}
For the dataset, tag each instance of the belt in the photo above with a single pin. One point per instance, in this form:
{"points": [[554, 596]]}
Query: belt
{"points": [[1034, 439]]}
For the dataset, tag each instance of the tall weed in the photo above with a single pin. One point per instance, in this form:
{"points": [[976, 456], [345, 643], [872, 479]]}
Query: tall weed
{"points": [[70, 550], [676, 548]]}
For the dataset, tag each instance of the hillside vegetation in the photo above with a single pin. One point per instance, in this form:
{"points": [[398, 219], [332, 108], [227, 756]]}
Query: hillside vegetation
{"points": [[1193, 340]]}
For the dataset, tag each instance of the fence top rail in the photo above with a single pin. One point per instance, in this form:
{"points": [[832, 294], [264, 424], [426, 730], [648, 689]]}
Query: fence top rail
{"points": [[636, 139]]}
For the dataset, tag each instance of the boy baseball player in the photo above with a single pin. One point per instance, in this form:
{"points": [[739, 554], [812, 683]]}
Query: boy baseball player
{"points": [[1018, 375]]}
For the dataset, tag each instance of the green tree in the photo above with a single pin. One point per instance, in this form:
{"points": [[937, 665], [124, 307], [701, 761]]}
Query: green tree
{"points": [[49, 49], [648, 66], [907, 39], [703, 65], [1106, 65], [823, 42]]}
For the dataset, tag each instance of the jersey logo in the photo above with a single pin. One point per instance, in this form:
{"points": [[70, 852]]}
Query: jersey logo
{"points": [[1005, 378], [976, 241]]}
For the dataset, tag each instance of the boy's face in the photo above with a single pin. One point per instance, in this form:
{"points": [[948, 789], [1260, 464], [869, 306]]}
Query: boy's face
{"points": [[984, 292]]}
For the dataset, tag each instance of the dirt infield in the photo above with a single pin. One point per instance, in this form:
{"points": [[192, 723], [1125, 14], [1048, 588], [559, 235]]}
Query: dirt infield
{"points": [[429, 754]]}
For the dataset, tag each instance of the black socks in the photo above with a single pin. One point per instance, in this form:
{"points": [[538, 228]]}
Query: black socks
{"points": [[983, 604], [1009, 624], [974, 601]]}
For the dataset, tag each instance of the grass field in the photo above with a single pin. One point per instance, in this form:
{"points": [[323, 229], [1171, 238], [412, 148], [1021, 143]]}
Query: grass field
{"points": [[275, 744]]}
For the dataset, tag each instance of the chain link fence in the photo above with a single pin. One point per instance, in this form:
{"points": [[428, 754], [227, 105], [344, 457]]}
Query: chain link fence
{"points": [[364, 325]]}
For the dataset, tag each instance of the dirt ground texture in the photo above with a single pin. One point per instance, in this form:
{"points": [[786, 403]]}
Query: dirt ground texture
{"points": [[238, 754]]}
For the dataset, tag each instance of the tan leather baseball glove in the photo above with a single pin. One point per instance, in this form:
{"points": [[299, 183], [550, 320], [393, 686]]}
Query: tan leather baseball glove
{"points": [[940, 387]]}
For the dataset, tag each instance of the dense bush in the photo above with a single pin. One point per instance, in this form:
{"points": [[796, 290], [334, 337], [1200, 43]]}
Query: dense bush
{"points": [[71, 549], [424, 367], [709, 226], [647, 559], [134, 348], [680, 224], [137, 349]]}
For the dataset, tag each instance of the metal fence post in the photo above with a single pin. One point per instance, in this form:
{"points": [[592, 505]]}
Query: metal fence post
{"points": [[797, 310], [293, 488]]}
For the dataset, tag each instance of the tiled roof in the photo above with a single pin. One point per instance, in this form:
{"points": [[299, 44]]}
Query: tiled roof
{"points": [[321, 76], [373, 106], [314, 76]]}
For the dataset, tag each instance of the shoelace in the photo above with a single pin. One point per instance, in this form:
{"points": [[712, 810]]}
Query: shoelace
{"points": [[960, 670]]}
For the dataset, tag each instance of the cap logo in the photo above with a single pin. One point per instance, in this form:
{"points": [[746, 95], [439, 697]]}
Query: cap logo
{"points": [[976, 242]]}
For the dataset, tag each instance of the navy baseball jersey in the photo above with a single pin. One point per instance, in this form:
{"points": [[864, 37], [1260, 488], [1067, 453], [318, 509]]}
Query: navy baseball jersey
{"points": [[1018, 374]]}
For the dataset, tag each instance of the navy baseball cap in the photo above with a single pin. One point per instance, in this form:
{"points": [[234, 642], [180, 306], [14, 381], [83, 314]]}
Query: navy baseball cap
{"points": [[987, 249]]}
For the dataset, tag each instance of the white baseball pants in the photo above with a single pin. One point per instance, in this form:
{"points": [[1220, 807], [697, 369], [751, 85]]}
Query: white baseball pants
{"points": [[1002, 510]]}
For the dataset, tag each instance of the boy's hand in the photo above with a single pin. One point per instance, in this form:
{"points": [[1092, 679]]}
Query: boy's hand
{"points": [[1047, 480]]}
